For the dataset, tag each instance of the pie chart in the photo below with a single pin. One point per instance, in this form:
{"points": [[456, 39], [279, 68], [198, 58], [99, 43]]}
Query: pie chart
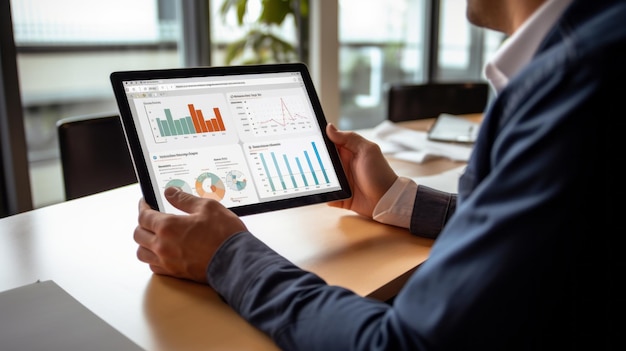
{"points": [[179, 183], [236, 180], [208, 185]]}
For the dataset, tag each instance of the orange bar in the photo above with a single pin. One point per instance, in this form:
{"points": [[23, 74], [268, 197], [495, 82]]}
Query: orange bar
{"points": [[208, 127], [194, 118], [201, 122], [220, 122], [216, 126]]}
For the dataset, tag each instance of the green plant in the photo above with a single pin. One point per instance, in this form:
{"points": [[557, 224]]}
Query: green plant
{"points": [[261, 43]]}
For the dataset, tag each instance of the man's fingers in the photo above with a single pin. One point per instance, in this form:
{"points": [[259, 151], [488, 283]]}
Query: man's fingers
{"points": [[159, 270], [183, 201], [143, 236], [143, 205], [148, 218], [335, 135], [351, 141], [146, 256]]}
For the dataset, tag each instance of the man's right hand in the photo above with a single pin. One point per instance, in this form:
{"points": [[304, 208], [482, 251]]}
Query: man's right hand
{"points": [[368, 172], [182, 246]]}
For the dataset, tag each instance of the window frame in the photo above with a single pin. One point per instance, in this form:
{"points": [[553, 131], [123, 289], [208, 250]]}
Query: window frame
{"points": [[15, 188]]}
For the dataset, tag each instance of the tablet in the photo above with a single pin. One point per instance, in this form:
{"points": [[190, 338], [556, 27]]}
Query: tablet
{"points": [[252, 137], [454, 129]]}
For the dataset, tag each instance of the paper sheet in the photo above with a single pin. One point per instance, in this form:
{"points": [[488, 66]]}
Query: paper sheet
{"points": [[413, 146]]}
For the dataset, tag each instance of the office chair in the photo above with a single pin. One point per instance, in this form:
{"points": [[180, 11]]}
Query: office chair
{"points": [[419, 101], [94, 154]]}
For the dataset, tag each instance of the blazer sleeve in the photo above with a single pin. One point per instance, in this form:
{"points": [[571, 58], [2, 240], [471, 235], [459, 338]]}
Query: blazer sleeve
{"points": [[432, 210], [297, 309]]}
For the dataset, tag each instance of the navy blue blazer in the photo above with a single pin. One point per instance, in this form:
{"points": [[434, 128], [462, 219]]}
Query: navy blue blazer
{"points": [[522, 259]]}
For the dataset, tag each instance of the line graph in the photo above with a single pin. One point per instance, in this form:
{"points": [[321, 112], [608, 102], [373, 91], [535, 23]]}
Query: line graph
{"points": [[285, 118], [276, 115]]}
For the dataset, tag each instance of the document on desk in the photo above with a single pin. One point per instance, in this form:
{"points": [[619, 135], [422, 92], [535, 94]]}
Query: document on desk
{"points": [[414, 146], [454, 129], [43, 316]]}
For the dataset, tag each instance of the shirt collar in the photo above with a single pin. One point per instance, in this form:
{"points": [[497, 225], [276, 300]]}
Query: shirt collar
{"points": [[518, 50]]}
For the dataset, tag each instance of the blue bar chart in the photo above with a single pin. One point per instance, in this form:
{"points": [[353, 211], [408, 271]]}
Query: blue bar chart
{"points": [[291, 168]]}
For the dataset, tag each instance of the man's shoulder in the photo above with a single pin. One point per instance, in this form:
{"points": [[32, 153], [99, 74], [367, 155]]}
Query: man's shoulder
{"points": [[591, 24], [589, 40]]}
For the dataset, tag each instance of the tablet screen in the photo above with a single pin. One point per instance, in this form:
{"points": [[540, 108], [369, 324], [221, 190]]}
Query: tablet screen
{"points": [[252, 137]]}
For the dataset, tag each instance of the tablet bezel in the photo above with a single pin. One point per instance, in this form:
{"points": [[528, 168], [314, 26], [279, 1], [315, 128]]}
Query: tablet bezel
{"points": [[137, 151]]}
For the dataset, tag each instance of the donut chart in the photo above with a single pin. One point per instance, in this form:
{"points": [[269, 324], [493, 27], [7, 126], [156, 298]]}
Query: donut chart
{"points": [[179, 183], [208, 185]]}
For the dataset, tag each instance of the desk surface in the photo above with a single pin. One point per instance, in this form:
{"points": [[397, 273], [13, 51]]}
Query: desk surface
{"points": [[86, 247]]}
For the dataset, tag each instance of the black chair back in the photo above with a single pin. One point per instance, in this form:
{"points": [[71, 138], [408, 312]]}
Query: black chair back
{"points": [[94, 155], [419, 101]]}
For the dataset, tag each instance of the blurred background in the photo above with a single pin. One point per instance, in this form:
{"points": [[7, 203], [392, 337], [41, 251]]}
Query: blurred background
{"points": [[66, 49]]}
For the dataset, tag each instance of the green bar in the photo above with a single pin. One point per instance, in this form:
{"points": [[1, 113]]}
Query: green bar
{"points": [[170, 121], [166, 128], [179, 127], [159, 122], [183, 126], [190, 126]]}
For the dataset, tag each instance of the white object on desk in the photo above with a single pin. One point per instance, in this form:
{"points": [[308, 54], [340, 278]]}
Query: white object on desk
{"points": [[43, 316], [414, 146], [450, 128]]}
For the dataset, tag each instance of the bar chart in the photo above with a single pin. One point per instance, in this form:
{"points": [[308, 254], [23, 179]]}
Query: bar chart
{"points": [[287, 168], [194, 123]]}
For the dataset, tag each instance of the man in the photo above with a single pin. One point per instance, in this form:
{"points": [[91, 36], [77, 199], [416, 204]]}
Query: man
{"points": [[521, 259]]}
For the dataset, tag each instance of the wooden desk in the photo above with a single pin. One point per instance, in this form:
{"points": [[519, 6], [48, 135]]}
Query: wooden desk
{"points": [[431, 167], [86, 246]]}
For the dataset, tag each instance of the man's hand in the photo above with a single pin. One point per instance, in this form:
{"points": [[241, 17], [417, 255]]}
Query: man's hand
{"points": [[368, 172], [183, 245]]}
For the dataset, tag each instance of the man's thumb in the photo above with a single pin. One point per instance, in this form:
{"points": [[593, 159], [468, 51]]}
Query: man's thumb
{"points": [[180, 199]]}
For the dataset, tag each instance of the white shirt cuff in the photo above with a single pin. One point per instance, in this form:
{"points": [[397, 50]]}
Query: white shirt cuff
{"points": [[396, 206]]}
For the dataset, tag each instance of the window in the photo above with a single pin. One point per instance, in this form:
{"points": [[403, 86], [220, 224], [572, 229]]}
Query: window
{"points": [[76, 22], [66, 50], [463, 48], [259, 37], [389, 42], [382, 45]]}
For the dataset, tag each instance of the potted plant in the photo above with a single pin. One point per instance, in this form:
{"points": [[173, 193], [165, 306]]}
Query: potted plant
{"points": [[262, 42]]}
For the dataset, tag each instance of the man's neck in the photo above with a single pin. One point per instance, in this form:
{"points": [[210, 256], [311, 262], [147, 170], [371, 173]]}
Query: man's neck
{"points": [[520, 11], [504, 16]]}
